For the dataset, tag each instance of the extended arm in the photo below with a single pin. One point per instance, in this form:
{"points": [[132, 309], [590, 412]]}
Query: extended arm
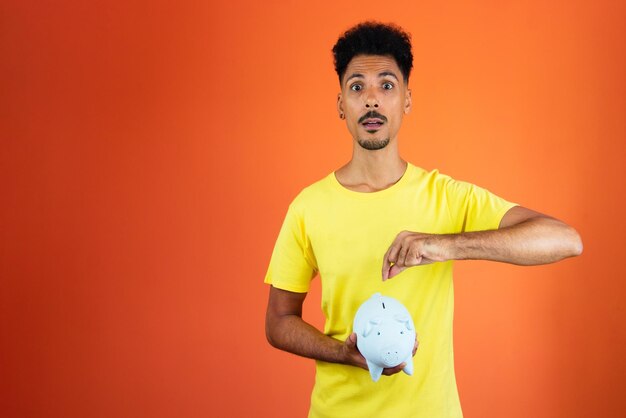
{"points": [[286, 330], [525, 237]]}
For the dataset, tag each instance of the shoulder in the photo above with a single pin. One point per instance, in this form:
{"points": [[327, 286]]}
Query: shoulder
{"points": [[432, 179], [313, 194], [441, 188]]}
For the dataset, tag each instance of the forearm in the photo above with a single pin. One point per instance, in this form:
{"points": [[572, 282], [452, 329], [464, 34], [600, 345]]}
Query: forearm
{"points": [[286, 330], [291, 333], [535, 241]]}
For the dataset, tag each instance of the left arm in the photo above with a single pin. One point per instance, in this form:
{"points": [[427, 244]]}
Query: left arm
{"points": [[525, 237]]}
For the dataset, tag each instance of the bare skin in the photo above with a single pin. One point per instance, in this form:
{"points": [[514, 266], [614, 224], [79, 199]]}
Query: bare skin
{"points": [[525, 237], [285, 329], [365, 88]]}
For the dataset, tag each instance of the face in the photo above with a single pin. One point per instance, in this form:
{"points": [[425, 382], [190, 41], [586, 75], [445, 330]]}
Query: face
{"points": [[374, 98]]}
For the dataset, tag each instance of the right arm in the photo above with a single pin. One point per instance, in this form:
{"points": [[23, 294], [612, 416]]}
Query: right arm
{"points": [[286, 330]]}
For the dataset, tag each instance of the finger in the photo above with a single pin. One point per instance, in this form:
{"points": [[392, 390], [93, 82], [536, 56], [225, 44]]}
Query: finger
{"points": [[395, 247], [415, 256], [354, 353], [424, 261], [351, 340], [404, 249], [391, 256], [386, 265], [393, 370], [395, 270]]}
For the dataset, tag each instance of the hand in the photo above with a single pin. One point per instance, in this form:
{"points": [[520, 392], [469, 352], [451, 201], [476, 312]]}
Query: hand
{"points": [[352, 354], [414, 249], [355, 358]]}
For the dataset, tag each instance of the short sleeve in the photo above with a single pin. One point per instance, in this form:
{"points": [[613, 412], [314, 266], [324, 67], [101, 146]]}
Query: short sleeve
{"points": [[473, 208], [293, 264]]}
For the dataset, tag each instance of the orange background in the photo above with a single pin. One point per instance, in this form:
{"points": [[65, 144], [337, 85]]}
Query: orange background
{"points": [[150, 150]]}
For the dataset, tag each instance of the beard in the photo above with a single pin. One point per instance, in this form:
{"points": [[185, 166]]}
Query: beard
{"points": [[373, 144]]}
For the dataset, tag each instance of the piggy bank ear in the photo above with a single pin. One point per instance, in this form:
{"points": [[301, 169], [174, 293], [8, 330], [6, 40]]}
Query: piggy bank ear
{"points": [[405, 319], [370, 325]]}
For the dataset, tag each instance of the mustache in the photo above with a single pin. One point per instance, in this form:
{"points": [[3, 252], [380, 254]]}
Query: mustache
{"points": [[372, 114]]}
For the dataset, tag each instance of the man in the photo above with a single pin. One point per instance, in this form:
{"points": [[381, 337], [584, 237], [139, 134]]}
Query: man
{"points": [[380, 211]]}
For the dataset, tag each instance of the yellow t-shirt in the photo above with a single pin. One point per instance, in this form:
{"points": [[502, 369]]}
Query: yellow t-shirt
{"points": [[343, 235]]}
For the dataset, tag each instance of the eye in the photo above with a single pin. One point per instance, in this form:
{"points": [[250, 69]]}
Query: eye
{"points": [[378, 333], [387, 86], [356, 87]]}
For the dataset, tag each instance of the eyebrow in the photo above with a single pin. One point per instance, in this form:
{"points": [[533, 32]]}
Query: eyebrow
{"points": [[383, 74], [388, 73]]}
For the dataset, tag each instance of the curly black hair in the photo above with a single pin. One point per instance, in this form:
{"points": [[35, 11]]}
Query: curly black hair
{"points": [[374, 38]]}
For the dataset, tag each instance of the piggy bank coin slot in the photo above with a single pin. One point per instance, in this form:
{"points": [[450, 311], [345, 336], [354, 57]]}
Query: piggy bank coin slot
{"points": [[383, 305]]}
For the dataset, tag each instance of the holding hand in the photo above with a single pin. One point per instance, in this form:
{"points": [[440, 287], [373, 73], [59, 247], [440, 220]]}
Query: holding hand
{"points": [[354, 357], [414, 249]]}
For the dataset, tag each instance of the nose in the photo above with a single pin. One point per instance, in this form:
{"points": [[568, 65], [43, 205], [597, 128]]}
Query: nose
{"points": [[371, 102], [391, 357]]}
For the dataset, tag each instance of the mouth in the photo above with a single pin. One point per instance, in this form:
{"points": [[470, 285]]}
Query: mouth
{"points": [[372, 124]]}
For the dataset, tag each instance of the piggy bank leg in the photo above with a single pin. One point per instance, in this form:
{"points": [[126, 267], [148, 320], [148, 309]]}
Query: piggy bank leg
{"points": [[375, 371], [408, 369]]}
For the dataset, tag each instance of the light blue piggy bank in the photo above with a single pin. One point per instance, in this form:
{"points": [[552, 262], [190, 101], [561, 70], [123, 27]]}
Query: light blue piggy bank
{"points": [[385, 334]]}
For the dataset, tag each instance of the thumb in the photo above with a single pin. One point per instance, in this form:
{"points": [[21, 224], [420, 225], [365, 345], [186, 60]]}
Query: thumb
{"points": [[351, 340], [395, 270]]}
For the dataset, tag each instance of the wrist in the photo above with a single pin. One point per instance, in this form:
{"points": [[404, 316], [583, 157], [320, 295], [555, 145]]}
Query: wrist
{"points": [[441, 247], [452, 246], [343, 354], [462, 246]]}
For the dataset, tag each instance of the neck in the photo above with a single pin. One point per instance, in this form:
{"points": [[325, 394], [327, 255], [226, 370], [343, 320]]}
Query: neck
{"points": [[371, 171]]}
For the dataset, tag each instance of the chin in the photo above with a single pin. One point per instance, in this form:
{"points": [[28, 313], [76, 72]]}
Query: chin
{"points": [[373, 144]]}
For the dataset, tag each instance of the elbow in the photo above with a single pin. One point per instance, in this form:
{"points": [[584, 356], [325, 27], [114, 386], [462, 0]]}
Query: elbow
{"points": [[576, 243], [578, 249], [270, 333], [270, 339]]}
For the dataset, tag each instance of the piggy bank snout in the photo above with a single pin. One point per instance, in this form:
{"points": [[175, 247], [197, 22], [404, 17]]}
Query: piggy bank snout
{"points": [[390, 356]]}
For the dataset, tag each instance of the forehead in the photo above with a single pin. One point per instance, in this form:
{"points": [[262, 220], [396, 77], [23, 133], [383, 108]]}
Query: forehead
{"points": [[372, 64]]}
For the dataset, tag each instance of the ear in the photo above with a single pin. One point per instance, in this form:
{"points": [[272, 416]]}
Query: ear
{"points": [[405, 319], [407, 102], [369, 327], [340, 105]]}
